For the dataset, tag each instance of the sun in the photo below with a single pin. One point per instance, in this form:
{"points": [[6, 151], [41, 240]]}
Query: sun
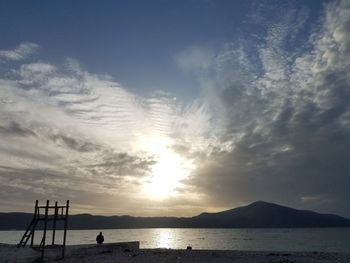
{"points": [[166, 176], [168, 171]]}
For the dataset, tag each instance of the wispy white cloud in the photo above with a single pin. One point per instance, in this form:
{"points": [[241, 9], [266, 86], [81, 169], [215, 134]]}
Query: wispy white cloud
{"points": [[21, 52], [86, 132], [259, 128], [283, 106], [195, 59]]}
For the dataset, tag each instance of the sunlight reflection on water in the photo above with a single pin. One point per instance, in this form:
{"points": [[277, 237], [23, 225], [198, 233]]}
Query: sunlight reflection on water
{"points": [[302, 239], [165, 238]]}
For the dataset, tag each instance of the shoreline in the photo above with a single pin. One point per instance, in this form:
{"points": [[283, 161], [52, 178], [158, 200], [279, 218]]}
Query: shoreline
{"points": [[129, 252]]}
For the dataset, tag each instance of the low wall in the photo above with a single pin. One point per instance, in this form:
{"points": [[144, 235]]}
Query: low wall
{"points": [[100, 249]]}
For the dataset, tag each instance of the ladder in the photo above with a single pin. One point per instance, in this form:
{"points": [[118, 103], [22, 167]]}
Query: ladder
{"points": [[29, 233]]}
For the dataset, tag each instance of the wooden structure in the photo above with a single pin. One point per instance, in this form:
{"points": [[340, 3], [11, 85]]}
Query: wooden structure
{"points": [[45, 215]]}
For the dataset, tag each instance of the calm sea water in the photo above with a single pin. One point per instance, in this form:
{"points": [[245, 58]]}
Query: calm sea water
{"points": [[306, 239]]}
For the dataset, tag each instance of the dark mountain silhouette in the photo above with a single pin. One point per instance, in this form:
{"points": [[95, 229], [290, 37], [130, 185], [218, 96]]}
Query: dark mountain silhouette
{"points": [[263, 215], [256, 215]]}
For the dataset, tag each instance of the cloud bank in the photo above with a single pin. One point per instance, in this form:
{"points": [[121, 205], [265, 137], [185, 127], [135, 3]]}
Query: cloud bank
{"points": [[287, 117], [67, 133], [271, 123]]}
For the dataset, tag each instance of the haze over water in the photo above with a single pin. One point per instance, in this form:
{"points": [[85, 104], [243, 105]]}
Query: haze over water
{"points": [[299, 239]]}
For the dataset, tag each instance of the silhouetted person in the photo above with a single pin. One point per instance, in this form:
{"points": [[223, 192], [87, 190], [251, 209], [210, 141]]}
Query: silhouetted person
{"points": [[100, 238]]}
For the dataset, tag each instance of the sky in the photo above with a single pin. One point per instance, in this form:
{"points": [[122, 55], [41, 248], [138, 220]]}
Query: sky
{"points": [[173, 108]]}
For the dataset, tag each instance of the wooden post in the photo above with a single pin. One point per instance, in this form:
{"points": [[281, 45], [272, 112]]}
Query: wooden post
{"points": [[54, 224], [65, 229], [45, 226], [33, 231]]}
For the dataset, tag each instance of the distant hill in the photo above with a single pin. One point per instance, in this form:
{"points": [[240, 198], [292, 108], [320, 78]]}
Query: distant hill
{"points": [[264, 215], [256, 215]]}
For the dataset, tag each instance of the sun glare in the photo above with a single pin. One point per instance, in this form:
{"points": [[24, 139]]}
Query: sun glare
{"points": [[168, 171]]}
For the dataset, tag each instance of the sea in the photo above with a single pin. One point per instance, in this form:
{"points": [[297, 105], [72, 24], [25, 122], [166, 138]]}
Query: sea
{"points": [[277, 239]]}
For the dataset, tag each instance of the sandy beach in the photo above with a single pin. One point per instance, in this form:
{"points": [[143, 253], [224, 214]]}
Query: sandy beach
{"points": [[161, 255], [116, 253]]}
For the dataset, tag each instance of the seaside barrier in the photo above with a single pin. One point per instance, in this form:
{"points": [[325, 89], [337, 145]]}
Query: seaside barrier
{"points": [[94, 249]]}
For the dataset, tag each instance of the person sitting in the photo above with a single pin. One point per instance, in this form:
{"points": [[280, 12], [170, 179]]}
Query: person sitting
{"points": [[100, 238]]}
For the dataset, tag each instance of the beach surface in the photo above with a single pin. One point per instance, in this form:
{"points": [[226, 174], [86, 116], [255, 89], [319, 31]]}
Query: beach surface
{"points": [[130, 253]]}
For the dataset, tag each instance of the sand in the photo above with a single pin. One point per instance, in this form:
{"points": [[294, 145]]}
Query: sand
{"points": [[116, 253], [10, 253], [167, 255], [161, 255]]}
